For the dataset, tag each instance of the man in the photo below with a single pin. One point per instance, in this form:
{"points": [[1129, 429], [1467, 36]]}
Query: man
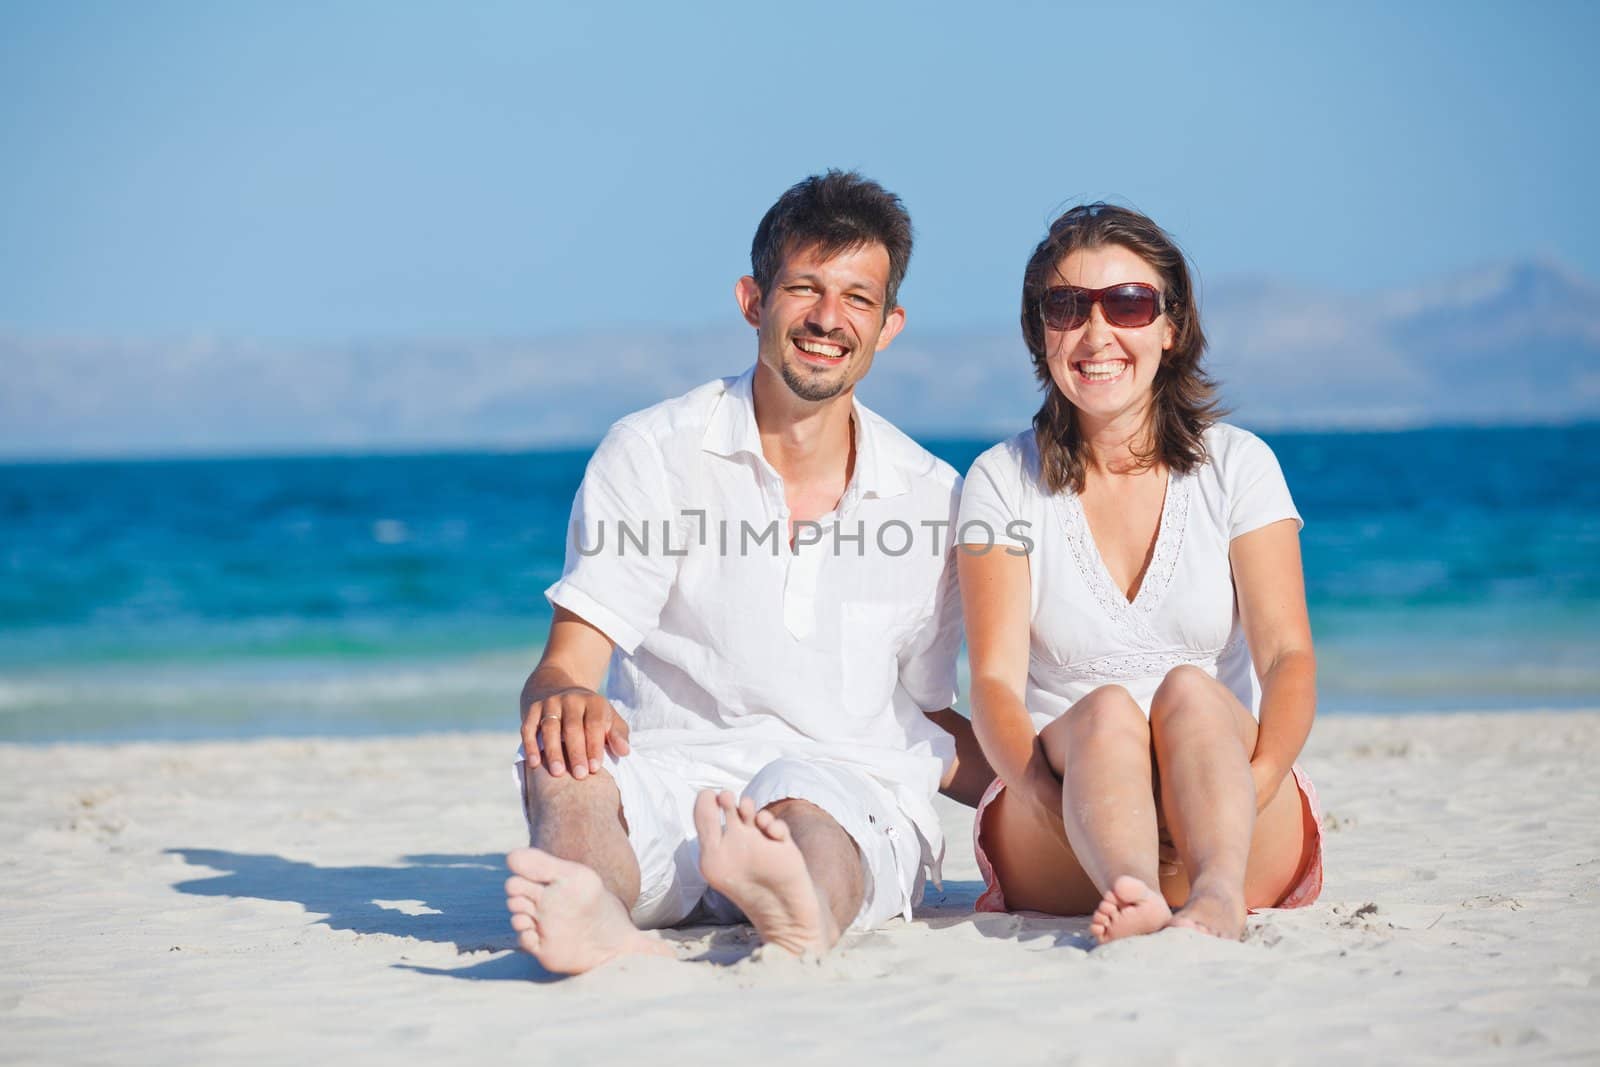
{"points": [[766, 566]]}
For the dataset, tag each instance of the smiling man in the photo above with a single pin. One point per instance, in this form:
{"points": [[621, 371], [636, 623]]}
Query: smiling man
{"points": [[765, 565]]}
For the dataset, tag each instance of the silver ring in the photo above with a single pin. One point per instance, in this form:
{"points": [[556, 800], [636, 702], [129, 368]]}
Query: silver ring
{"points": [[542, 718]]}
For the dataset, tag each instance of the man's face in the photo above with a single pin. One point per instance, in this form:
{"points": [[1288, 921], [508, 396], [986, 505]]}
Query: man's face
{"points": [[823, 319]]}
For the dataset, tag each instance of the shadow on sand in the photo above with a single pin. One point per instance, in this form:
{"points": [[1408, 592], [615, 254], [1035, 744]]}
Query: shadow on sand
{"points": [[459, 900], [955, 903], [454, 900]]}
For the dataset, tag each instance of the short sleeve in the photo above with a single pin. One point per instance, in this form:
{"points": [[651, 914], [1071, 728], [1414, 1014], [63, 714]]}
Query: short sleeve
{"points": [[612, 579], [1257, 494], [991, 509], [928, 659]]}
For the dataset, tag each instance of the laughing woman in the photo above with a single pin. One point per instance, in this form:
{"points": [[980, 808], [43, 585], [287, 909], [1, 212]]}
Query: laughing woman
{"points": [[1142, 672]]}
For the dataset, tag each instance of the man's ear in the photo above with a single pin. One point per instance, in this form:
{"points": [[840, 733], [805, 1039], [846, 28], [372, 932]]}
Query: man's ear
{"points": [[893, 323], [748, 294]]}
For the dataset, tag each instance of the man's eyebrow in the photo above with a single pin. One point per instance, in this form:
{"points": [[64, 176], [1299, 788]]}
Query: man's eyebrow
{"points": [[860, 285], [849, 285]]}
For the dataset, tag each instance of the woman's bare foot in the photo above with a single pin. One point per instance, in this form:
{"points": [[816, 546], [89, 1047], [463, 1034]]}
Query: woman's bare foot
{"points": [[1130, 908], [566, 919], [1212, 911], [749, 857]]}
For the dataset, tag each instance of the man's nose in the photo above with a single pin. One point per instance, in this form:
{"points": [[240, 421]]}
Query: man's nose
{"points": [[826, 313]]}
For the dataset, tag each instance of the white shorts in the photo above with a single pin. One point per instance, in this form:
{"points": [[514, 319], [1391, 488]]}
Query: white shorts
{"points": [[658, 793]]}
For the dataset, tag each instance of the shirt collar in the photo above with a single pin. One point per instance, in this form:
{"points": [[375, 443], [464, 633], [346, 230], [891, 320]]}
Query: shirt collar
{"points": [[732, 430]]}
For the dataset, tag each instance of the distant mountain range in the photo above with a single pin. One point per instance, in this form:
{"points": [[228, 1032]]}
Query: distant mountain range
{"points": [[1515, 343]]}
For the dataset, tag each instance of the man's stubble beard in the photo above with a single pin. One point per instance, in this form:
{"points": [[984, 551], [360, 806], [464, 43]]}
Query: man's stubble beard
{"points": [[812, 389]]}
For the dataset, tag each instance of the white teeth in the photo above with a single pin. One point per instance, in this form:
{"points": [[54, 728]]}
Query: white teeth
{"points": [[817, 349], [1102, 372]]}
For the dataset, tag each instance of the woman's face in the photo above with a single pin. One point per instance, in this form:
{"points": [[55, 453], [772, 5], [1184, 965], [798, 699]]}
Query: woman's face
{"points": [[1107, 372]]}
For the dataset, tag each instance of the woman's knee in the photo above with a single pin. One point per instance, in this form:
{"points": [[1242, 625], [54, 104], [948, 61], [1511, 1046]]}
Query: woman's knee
{"points": [[1184, 686], [1108, 713], [1191, 696]]}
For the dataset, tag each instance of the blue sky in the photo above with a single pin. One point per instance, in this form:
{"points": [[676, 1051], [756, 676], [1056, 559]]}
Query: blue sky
{"points": [[300, 171]]}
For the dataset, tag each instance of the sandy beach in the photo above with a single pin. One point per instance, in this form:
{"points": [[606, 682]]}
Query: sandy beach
{"points": [[267, 901]]}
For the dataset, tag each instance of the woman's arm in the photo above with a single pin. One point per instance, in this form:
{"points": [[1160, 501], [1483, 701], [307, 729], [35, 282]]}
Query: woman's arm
{"points": [[995, 596], [1272, 606]]}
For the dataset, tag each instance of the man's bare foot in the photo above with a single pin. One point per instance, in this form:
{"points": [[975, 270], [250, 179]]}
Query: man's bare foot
{"points": [[1212, 911], [566, 919], [749, 857], [1130, 908]]}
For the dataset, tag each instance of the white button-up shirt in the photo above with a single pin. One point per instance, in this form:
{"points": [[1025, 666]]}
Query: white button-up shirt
{"points": [[737, 647]]}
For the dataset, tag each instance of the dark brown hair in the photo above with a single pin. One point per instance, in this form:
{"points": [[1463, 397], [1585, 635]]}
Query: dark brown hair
{"points": [[835, 212], [1185, 402]]}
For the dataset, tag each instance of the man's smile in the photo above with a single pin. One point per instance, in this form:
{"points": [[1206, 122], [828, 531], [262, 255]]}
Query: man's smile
{"points": [[814, 350]]}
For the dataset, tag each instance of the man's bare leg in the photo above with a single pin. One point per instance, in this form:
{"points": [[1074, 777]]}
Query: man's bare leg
{"points": [[789, 867], [570, 892]]}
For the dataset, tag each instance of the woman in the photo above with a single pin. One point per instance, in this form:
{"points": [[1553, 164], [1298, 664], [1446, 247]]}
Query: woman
{"points": [[1134, 604]]}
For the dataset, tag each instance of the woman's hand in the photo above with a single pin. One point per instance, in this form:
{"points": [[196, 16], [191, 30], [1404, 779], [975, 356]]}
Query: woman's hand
{"points": [[1167, 859], [1268, 780], [1041, 788]]}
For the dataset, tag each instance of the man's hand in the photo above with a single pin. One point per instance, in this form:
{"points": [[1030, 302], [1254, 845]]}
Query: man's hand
{"points": [[576, 725], [560, 706], [969, 774]]}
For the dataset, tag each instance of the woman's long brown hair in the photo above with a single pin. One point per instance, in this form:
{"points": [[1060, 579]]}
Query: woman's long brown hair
{"points": [[1185, 402]]}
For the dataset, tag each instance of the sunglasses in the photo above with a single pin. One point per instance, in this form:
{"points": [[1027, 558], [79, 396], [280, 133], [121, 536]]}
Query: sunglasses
{"points": [[1130, 305]]}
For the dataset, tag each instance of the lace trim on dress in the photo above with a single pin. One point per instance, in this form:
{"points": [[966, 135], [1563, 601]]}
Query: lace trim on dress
{"points": [[1131, 619], [1169, 546], [1131, 665]]}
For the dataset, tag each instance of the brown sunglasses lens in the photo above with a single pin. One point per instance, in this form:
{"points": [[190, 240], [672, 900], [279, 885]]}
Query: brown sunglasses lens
{"points": [[1066, 307], [1130, 305]]}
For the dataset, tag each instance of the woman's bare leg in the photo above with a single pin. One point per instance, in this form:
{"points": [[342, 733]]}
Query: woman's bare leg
{"points": [[1101, 749], [1103, 743], [1203, 740]]}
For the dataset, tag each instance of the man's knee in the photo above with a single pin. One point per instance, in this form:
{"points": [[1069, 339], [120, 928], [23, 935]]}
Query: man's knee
{"points": [[560, 802], [833, 857], [793, 810], [818, 835]]}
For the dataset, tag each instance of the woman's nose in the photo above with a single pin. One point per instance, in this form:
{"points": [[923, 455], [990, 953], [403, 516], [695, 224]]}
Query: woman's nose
{"points": [[1097, 328]]}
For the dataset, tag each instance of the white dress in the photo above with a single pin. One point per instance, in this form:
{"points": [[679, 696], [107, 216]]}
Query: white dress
{"points": [[1084, 632]]}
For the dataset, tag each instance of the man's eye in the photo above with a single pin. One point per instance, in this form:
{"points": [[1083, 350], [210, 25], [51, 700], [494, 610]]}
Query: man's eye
{"points": [[861, 301], [801, 290]]}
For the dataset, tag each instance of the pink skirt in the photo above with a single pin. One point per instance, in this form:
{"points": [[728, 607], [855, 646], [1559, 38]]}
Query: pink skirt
{"points": [[1306, 888]]}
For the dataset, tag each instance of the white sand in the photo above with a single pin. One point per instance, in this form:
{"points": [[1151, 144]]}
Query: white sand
{"points": [[267, 901]]}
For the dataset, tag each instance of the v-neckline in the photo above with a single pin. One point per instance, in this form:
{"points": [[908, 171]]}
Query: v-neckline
{"points": [[1157, 574], [1140, 579]]}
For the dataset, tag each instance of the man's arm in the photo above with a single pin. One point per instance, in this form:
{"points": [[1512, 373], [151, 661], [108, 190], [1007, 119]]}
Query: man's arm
{"points": [[560, 704], [970, 774]]}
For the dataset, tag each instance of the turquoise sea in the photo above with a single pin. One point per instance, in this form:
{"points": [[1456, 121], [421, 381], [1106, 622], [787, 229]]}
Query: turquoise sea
{"points": [[1446, 569]]}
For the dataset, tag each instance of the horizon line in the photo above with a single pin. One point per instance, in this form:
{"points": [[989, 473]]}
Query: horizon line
{"points": [[426, 450]]}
